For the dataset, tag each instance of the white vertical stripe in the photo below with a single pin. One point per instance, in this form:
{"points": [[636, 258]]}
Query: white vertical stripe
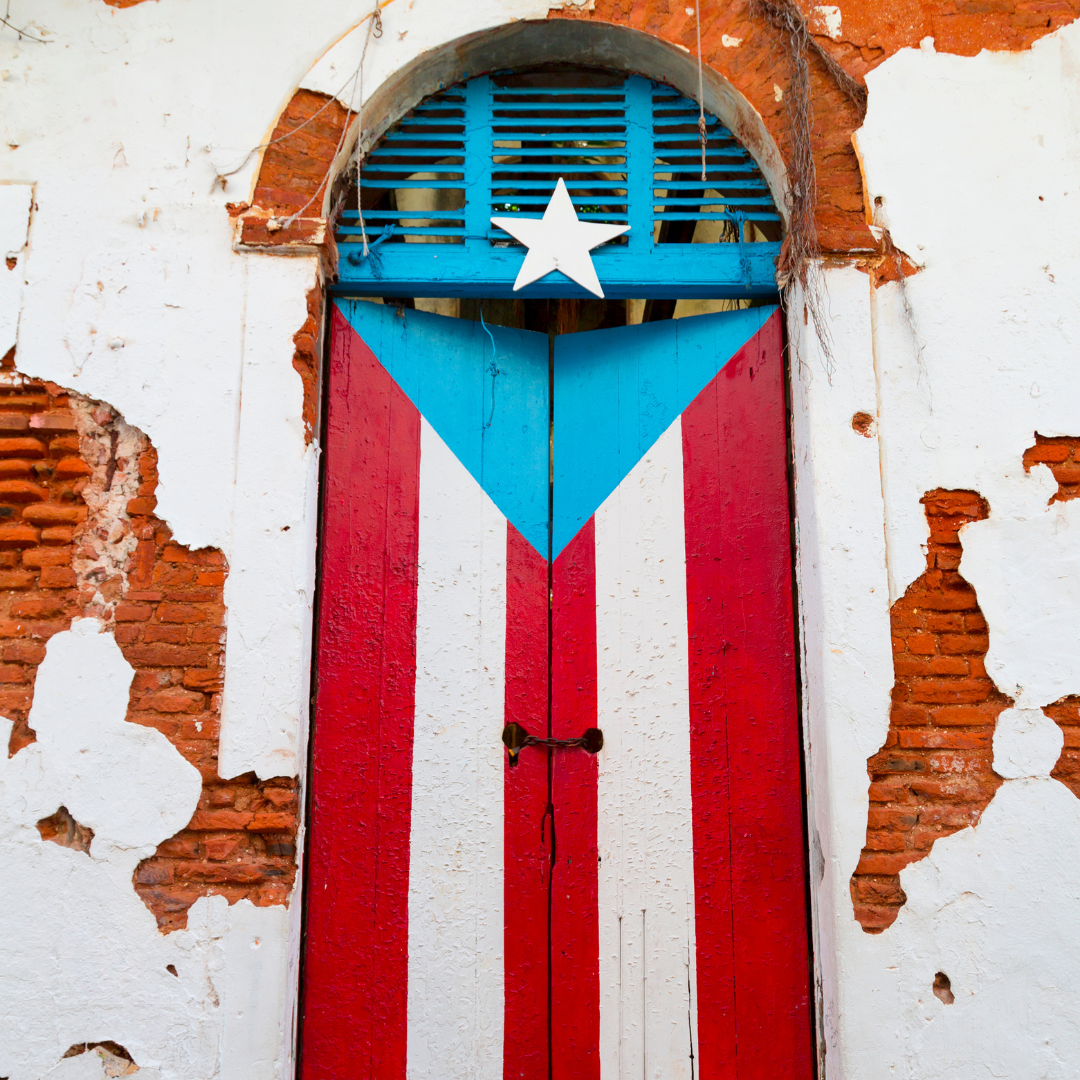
{"points": [[648, 1015], [455, 1003]]}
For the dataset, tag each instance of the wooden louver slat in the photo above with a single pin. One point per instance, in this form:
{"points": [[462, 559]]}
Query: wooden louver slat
{"points": [[628, 151]]}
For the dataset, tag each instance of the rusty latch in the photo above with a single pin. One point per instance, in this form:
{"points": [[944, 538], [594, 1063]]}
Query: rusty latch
{"points": [[515, 738]]}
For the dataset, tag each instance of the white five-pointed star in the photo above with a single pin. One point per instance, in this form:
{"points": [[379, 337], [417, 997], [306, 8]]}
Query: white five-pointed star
{"points": [[559, 241]]}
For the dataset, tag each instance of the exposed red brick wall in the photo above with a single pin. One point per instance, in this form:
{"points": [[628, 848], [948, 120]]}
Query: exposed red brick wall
{"points": [[1062, 454], [307, 341], [934, 775], [61, 828], [78, 536], [871, 31], [1066, 714], [41, 475], [295, 166], [171, 628]]}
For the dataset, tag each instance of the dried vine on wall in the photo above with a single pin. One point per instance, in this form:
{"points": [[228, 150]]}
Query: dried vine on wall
{"points": [[800, 257]]}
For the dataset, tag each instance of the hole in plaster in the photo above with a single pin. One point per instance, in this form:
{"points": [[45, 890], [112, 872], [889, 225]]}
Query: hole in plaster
{"points": [[943, 988], [11, 261], [116, 1060], [61, 828], [942, 700], [171, 969], [863, 423]]}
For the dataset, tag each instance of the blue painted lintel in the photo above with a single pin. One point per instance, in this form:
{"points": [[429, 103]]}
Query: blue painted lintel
{"points": [[684, 271]]}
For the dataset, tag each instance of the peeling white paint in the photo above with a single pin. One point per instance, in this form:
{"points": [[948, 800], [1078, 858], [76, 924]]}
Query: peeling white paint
{"points": [[1024, 562], [270, 588], [827, 17], [336, 73], [980, 357], [15, 202], [117, 132], [993, 908], [1027, 743], [80, 953], [844, 630]]}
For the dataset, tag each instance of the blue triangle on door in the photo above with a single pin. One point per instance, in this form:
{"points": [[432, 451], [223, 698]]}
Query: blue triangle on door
{"points": [[485, 391], [617, 391]]}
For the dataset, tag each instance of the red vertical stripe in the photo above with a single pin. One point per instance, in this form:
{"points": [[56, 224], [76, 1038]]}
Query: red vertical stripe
{"points": [[356, 945], [749, 852], [575, 938], [526, 853]]}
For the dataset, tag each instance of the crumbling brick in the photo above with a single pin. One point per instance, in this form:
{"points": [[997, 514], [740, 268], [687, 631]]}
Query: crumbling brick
{"points": [[306, 342], [99, 550], [1061, 453], [934, 775], [61, 828], [297, 162]]}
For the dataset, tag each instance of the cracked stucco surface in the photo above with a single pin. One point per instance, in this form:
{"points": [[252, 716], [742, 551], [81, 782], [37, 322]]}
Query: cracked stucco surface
{"points": [[133, 296]]}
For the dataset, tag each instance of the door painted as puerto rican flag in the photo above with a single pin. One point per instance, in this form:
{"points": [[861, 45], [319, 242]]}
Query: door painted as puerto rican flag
{"points": [[590, 531]]}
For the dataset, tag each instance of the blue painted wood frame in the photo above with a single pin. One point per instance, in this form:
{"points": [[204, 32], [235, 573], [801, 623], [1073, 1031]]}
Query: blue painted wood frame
{"points": [[478, 265]]}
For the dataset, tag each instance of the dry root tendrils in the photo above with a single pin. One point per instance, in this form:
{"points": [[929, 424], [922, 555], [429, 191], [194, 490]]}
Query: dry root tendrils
{"points": [[800, 257]]}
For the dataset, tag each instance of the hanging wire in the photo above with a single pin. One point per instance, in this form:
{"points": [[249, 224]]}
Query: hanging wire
{"points": [[376, 15], [800, 257], [702, 134], [493, 368], [375, 30], [220, 178]]}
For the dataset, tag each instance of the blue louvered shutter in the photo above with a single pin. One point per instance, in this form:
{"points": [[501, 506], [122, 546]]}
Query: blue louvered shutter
{"points": [[629, 153]]}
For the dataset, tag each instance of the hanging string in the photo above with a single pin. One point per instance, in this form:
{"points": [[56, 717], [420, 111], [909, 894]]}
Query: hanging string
{"points": [[337, 150], [220, 178], [493, 368], [357, 80], [5, 20], [702, 135], [375, 29]]}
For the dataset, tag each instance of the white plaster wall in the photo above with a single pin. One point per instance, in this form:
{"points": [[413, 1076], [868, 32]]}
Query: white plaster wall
{"points": [[844, 622], [80, 954], [960, 374], [128, 291], [116, 130]]}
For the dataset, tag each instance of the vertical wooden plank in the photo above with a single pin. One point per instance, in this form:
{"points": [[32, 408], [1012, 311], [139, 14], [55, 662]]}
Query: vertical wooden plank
{"points": [[528, 865], [749, 849], [356, 958], [640, 159], [644, 800], [456, 918], [575, 943], [477, 165]]}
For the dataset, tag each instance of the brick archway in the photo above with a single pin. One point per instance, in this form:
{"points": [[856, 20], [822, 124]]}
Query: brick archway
{"points": [[743, 52]]}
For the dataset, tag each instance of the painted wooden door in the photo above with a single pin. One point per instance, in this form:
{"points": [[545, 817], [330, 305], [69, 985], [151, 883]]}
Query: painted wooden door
{"points": [[593, 534]]}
